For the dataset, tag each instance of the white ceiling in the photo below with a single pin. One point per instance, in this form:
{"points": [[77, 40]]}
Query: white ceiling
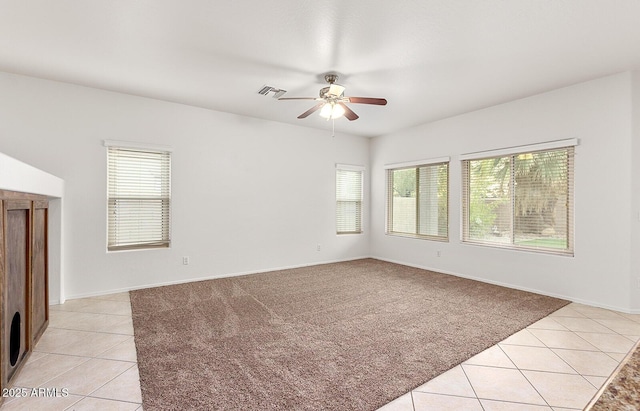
{"points": [[430, 59]]}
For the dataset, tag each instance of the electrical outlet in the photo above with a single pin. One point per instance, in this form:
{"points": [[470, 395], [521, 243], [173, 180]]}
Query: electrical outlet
{"points": [[185, 260], [438, 253], [318, 247]]}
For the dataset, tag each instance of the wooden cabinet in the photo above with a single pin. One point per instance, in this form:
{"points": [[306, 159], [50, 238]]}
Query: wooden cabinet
{"points": [[39, 273], [24, 308]]}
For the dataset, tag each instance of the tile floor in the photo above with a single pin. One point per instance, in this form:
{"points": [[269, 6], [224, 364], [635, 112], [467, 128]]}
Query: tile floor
{"points": [[557, 364], [88, 349]]}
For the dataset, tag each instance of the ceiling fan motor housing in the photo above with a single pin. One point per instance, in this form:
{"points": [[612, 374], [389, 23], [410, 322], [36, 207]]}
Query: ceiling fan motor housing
{"points": [[331, 78]]}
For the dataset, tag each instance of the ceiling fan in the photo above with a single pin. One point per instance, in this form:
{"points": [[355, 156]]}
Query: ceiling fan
{"points": [[331, 102]]}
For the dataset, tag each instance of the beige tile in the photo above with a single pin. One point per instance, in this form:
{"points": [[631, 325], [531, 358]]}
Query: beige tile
{"points": [[501, 384], [547, 323], [632, 317], [621, 326], [37, 373], [53, 339], [89, 376], [614, 343], [562, 339], [72, 320], [616, 356], [93, 404], [491, 357], [114, 297], [403, 403], [523, 337], [125, 387], [453, 382], [596, 312], [562, 390], [57, 318], [72, 305], [437, 402], [35, 356], [123, 327], [582, 324], [536, 358], [566, 311], [588, 362], [105, 307], [41, 403], [92, 345], [596, 381], [491, 405], [125, 351]]}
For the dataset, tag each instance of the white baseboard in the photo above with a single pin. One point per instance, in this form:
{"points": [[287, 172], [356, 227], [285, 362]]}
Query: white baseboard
{"points": [[424, 267], [516, 287], [211, 277]]}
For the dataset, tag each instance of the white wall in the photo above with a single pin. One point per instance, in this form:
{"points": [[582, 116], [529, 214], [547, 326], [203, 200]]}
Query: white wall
{"points": [[599, 114], [247, 194], [18, 176], [634, 223]]}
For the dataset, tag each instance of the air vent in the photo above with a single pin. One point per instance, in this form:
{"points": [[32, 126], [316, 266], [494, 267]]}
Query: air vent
{"points": [[265, 90], [277, 93]]}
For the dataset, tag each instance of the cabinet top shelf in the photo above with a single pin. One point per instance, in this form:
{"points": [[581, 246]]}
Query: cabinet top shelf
{"points": [[16, 195]]}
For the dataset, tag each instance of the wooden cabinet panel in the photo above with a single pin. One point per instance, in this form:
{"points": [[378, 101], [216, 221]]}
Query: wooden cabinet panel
{"points": [[24, 289], [17, 228], [39, 272]]}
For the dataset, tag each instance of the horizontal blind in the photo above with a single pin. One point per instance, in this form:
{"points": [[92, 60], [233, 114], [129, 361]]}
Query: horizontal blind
{"points": [[139, 198], [522, 200], [417, 201], [348, 201]]}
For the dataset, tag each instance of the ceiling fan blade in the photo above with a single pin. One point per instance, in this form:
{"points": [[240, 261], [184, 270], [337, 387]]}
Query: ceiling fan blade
{"points": [[298, 98], [348, 113], [368, 100], [311, 110]]}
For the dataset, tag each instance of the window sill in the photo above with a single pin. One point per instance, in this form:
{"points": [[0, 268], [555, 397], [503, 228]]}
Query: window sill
{"points": [[418, 236], [547, 251]]}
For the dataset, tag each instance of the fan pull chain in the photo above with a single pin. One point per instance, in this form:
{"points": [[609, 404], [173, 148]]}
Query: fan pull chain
{"points": [[333, 128]]}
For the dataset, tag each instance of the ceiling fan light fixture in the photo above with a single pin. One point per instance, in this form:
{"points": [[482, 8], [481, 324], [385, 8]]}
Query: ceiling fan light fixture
{"points": [[332, 111], [336, 90]]}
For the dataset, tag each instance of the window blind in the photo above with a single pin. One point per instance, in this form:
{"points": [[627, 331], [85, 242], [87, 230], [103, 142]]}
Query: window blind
{"points": [[139, 198], [522, 200], [417, 201], [348, 200]]}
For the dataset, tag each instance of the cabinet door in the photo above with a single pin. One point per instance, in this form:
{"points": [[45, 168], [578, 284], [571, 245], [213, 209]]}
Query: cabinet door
{"points": [[39, 271], [17, 229]]}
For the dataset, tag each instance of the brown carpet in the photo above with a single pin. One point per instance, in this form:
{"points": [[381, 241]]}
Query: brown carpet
{"points": [[344, 336], [622, 393]]}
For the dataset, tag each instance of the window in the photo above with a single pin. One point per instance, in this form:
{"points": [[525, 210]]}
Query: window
{"points": [[521, 199], [139, 197], [348, 199], [418, 200]]}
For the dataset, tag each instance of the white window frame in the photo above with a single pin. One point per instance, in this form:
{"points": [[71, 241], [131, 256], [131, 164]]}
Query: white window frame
{"points": [[514, 151], [359, 202], [136, 239], [389, 168]]}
